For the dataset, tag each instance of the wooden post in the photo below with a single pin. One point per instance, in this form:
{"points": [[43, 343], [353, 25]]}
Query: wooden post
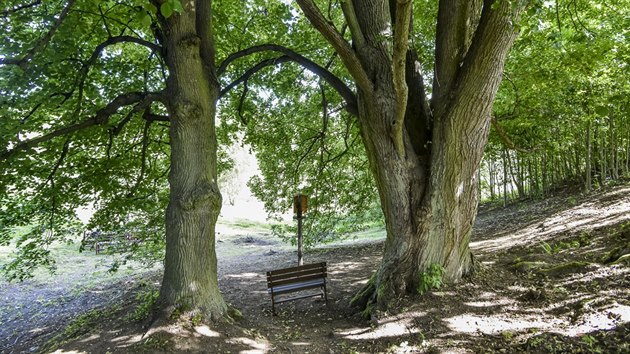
{"points": [[299, 208], [299, 218]]}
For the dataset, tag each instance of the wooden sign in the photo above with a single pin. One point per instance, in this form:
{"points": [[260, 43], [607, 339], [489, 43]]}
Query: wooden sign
{"points": [[300, 204]]}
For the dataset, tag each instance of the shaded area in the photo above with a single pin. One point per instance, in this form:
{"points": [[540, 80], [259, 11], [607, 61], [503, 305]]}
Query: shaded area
{"points": [[551, 279]]}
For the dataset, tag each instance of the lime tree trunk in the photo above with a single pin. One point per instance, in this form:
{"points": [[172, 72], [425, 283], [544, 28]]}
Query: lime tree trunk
{"points": [[190, 267], [424, 153]]}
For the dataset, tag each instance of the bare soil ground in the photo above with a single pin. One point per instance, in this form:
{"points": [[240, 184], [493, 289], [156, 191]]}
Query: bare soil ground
{"points": [[554, 278]]}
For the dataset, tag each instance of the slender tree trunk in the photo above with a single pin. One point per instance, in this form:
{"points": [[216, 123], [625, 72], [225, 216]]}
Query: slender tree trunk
{"points": [[589, 149], [492, 178], [626, 165], [190, 268]]}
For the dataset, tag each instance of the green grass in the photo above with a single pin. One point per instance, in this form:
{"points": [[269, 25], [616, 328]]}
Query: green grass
{"points": [[82, 269]]}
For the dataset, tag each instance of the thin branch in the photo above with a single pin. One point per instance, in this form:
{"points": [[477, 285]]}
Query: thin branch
{"points": [[42, 42], [358, 38], [62, 157], [97, 53], [143, 158], [241, 103], [346, 53], [8, 12], [558, 16], [253, 70], [506, 139], [343, 90], [100, 10], [102, 116]]}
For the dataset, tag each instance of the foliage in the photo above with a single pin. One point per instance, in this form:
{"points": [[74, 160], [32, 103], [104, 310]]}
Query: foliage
{"points": [[562, 112], [146, 305], [431, 278], [81, 325]]}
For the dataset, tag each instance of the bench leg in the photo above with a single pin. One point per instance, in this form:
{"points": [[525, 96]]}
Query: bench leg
{"points": [[273, 306], [325, 295]]}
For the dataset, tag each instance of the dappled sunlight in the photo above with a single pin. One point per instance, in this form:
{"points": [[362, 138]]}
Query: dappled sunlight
{"points": [[390, 329], [599, 273], [586, 216], [206, 331], [491, 303], [243, 276], [395, 326], [256, 347], [90, 338], [497, 323], [602, 319], [343, 267]]}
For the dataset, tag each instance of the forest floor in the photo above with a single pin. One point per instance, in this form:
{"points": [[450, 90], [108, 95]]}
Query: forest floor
{"points": [[554, 277]]}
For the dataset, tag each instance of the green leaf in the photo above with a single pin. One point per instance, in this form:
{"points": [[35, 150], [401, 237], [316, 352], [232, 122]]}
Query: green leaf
{"points": [[601, 111], [146, 20], [166, 9], [176, 5], [150, 8]]}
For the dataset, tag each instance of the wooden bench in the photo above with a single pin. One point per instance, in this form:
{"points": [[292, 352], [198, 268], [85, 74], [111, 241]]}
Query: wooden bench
{"points": [[99, 240], [294, 279]]}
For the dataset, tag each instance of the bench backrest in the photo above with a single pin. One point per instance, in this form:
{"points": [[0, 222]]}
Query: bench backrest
{"points": [[296, 274]]}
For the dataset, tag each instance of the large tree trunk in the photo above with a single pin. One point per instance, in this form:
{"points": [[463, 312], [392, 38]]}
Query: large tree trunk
{"points": [[190, 267], [428, 192]]}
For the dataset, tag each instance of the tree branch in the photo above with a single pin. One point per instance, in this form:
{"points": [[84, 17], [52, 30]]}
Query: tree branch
{"points": [[358, 38], [487, 53], [204, 31], [401, 45], [253, 70], [143, 159], [241, 103], [102, 116], [345, 51], [506, 139], [7, 12], [42, 42], [343, 90], [96, 54], [457, 21], [62, 157]]}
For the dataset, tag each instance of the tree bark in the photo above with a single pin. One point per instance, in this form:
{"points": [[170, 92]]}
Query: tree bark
{"points": [[428, 193], [190, 268]]}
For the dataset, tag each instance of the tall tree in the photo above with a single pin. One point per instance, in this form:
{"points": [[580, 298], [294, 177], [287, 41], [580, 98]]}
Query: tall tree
{"points": [[100, 102], [423, 150], [424, 153]]}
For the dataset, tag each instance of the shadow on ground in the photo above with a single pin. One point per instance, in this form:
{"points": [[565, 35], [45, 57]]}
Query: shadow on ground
{"points": [[553, 278]]}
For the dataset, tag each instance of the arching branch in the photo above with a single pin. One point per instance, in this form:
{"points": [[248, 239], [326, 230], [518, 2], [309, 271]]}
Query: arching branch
{"points": [[345, 51], [343, 90], [42, 42], [97, 53], [101, 117], [506, 139], [253, 70]]}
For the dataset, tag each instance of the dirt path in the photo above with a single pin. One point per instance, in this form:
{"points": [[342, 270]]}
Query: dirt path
{"points": [[543, 287]]}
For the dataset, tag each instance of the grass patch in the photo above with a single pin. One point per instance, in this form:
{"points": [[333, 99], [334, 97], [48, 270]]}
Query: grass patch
{"points": [[83, 324]]}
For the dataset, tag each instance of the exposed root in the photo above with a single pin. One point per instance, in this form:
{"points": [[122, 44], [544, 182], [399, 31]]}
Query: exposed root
{"points": [[365, 299]]}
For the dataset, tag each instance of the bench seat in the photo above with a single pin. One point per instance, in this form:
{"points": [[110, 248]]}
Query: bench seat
{"points": [[295, 279]]}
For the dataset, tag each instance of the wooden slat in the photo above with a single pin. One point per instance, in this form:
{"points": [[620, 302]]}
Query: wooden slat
{"points": [[295, 280], [298, 297], [296, 274], [298, 268]]}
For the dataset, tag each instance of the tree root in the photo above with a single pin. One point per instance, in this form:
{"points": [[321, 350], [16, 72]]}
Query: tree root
{"points": [[365, 299]]}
